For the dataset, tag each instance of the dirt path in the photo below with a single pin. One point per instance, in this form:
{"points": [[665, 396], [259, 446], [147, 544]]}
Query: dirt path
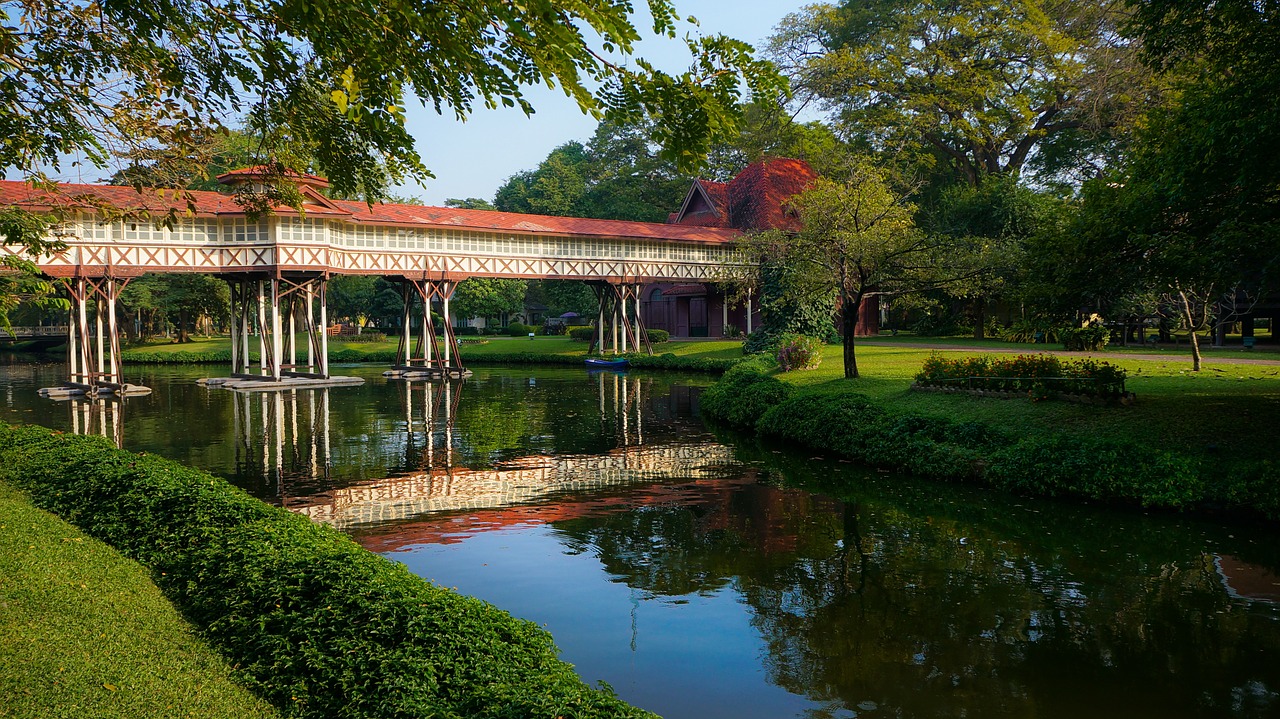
{"points": [[1208, 359]]}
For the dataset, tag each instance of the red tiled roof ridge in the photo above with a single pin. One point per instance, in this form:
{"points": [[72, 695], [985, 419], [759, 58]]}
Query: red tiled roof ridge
{"points": [[264, 170], [208, 202]]}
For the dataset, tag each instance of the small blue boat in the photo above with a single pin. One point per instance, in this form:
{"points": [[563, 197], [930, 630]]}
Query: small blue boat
{"points": [[596, 363]]}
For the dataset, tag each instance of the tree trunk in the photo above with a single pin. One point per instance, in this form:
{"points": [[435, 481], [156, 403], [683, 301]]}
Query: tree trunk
{"points": [[1191, 326], [183, 337], [849, 324], [979, 318]]}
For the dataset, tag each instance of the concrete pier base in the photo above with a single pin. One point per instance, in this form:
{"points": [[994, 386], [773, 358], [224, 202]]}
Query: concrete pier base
{"points": [[426, 373], [70, 390], [267, 384]]}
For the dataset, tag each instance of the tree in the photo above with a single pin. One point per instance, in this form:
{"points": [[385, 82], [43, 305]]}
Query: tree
{"points": [[982, 87], [619, 174], [80, 78], [555, 188], [185, 298], [856, 238], [21, 283], [470, 203], [351, 297], [988, 227], [561, 296], [487, 297]]}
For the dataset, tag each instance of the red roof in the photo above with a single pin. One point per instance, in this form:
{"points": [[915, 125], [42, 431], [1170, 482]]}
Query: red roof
{"points": [[754, 200], [759, 194], [70, 196], [705, 205], [260, 171]]}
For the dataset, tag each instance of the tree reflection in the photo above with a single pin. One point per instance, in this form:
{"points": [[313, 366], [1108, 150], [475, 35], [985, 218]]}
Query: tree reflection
{"points": [[924, 600]]}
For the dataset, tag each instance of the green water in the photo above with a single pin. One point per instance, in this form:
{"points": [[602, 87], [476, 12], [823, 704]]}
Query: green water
{"points": [[704, 575]]}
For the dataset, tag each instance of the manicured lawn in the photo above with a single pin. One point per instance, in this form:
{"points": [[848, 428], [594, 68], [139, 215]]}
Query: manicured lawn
{"points": [[1181, 348], [85, 633], [495, 345], [1225, 410]]}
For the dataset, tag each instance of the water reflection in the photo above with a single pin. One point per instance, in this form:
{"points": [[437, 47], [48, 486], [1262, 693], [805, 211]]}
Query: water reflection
{"points": [[273, 431], [706, 576], [448, 471], [884, 597]]}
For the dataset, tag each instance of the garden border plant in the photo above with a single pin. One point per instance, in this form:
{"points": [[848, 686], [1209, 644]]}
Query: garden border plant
{"points": [[314, 624], [1038, 376]]}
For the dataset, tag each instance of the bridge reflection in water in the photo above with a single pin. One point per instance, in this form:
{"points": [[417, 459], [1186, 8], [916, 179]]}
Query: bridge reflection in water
{"points": [[400, 450], [440, 485]]}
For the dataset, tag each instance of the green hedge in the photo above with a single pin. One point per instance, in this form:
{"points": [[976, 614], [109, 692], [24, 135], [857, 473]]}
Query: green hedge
{"points": [[315, 624], [145, 357], [1039, 375], [586, 334], [855, 426]]}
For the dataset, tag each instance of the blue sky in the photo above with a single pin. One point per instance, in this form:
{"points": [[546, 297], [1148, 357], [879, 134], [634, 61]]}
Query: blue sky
{"points": [[473, 158]]}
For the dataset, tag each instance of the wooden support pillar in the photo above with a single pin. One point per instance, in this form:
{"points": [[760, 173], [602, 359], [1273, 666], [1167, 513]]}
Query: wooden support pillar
{"points": [[323, 283], [246, 319], [600, 300], [262, 328], [446, 295], [293, 330], [113, 344], [277, 345], [235, 329], [748, 313]]}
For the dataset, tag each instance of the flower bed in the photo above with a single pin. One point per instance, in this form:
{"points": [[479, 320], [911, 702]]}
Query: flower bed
{"points": [[1038, 376]]}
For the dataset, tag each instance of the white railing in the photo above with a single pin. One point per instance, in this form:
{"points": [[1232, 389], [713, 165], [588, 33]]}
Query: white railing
{"points": [[30, 332]]}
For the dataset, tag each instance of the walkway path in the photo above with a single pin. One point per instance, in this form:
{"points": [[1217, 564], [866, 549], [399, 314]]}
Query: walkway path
{"points": [[1208, 357]]}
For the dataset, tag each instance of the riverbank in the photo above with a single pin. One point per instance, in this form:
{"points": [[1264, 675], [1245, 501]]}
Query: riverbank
{"points": [[314, 624], [84, 632], [696, 356], [1203, 441]]}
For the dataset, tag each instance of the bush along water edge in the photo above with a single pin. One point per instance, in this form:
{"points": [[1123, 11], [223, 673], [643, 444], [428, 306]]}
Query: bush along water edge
{"points": [[850, 424], [314, 624]]}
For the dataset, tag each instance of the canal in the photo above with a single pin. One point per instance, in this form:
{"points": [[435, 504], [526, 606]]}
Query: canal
{"points": [[706, 575]]}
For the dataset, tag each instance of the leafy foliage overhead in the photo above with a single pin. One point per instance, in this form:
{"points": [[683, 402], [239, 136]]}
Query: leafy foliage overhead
{"points": [[982, 86], [332, 78]]}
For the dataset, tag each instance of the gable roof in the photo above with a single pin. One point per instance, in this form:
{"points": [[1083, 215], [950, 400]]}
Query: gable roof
{"points": [[704, 206], [754, 200]]}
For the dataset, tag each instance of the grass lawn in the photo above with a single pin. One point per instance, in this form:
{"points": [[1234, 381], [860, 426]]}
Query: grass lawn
{"points": [[1227, 410], [1231, 410], [85, 633], [495, 345], [1181, 348]]}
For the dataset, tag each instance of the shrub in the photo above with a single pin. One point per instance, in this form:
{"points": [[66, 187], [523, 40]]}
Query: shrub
{"points": [[1039, 375], [657, 336], [585, 334], [744, 393], [316, 625], [515, 329], [465, 331], [1090, 336], [1084, 339], [1036, 329], [796, 352], [1098, 469], [366, 336]]}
